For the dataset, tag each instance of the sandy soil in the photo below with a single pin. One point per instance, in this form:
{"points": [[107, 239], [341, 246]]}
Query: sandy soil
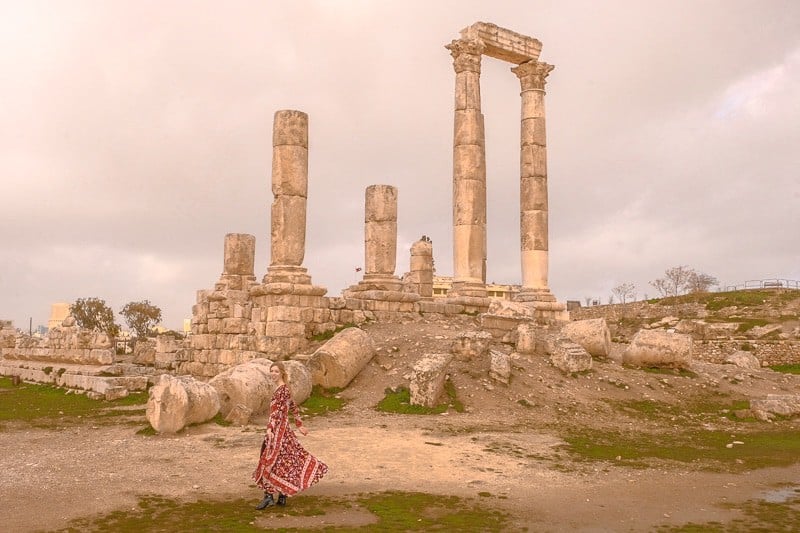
{"points": [[50, 476]]}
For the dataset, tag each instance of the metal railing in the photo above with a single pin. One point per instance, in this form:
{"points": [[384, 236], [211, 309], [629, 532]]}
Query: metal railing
{"points": [[770, 283]]}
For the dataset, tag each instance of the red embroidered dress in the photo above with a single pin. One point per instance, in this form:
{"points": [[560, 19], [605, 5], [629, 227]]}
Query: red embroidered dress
{"points": [[285, 466]]}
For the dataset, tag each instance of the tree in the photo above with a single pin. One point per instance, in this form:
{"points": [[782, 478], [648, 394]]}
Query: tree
{"points": [[141, 317], [624, 292], [700, 282], [94, 314], [680, 279]]}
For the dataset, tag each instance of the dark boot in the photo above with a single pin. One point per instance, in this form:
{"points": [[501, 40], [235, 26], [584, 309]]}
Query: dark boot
{"points": [[266, 502], [281, 499]]}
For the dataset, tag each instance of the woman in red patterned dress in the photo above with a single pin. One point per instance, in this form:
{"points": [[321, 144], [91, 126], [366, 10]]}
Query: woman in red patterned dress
{"points": [[284, 467]]}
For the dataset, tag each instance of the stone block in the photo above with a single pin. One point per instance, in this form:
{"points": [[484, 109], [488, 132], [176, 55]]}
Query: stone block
{"points": [[499, 366], [570, 357], [593, 334], [470, 345], [427, 379], [658, 348]]}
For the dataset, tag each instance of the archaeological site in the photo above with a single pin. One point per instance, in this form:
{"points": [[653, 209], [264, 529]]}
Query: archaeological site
{"points": [[517, 357]]}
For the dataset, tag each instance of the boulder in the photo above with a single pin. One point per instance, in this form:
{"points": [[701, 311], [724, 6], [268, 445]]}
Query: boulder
{"points": [[659, 348], [743, 359], [592, 334], [339, 360], [499, 366], [776, 404], [526, 338], [427, 379], [177, 401], [470, 345], [569, 357]]}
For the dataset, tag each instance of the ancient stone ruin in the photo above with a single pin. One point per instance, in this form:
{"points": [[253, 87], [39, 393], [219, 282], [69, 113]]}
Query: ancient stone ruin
{"points": [[241, 324]]}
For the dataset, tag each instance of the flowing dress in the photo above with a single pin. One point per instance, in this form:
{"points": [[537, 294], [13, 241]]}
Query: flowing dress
{"points": [[284, 465]]}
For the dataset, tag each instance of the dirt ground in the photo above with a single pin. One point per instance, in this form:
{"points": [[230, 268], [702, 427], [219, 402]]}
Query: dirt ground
{"points": [[500, 445]]}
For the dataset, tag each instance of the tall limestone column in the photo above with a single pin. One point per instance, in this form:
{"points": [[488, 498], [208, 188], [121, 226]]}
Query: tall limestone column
{"points": [[469, 173], [290, 188], [533, 184], [380, 237], [380, 252]]}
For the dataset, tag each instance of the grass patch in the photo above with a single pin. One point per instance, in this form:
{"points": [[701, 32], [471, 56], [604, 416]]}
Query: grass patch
{"points": [[706, 450], [327, 335], [393, 511], [787, 369], [746, 324], [220, 420], [399, 401], [750, 298], [41, 405], [322, 401]]}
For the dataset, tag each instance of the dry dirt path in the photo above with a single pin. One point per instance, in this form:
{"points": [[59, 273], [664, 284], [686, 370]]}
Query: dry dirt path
{"points": [[48, 477]]}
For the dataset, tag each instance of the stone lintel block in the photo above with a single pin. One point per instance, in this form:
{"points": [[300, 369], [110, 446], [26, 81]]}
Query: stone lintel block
{"points": [[533, 193], [500, 323], [469, 163], [533, 160], [502, 43], [533, 132], [468, 128], [290, 171], [290, 127], [380, 203]]}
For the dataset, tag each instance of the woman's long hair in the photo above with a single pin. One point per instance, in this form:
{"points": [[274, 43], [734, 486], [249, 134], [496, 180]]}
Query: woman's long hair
{"points": [[282, 370]]}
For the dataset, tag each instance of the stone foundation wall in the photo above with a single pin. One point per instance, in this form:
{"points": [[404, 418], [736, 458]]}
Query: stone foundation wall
{"points": [[67, 344], [768, 352]]}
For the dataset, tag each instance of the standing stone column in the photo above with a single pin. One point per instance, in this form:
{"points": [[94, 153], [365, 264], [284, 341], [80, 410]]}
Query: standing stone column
{"points": [[469, 172], [380, 236], [533, 183], [239, 262], [290, 188], [240, 254], [420, 277]]}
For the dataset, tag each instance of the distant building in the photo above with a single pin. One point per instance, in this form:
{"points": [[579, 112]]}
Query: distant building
{"points": [[58, 312], [442, 285]]}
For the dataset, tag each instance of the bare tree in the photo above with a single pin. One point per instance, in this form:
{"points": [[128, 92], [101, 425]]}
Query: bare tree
{"points": [[674, 281], [624, 292], [680, 279], [700, 282]]}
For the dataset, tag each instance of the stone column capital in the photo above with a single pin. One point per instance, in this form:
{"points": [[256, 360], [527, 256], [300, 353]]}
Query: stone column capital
{"points": [[466, 55], [532, 75]]}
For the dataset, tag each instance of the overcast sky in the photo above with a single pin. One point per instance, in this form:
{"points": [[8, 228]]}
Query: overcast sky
{"points": [[134, 135]]}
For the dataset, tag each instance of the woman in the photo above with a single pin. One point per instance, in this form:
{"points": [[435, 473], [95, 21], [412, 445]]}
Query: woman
{"points": [[284, 466]]}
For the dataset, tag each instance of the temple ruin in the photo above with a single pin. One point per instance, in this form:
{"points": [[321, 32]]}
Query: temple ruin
{"points": [[240, 319], [469, 168]]}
